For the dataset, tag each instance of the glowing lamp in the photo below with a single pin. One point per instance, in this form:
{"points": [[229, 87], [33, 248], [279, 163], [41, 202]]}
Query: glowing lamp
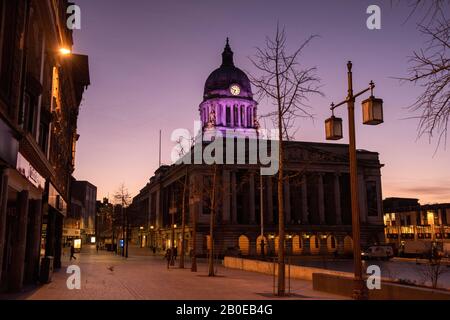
{"points": [[333, 128], [65, 51], [372, 110]]}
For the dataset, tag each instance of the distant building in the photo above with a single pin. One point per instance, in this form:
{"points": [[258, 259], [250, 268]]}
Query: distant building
{"points": [[406, 220], [104, 225], [317, 193], [83, 209]]}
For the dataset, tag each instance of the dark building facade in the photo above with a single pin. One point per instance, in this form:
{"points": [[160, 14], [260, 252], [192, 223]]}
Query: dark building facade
{"points": [[40, 93], [317, 192], [81, 219]]}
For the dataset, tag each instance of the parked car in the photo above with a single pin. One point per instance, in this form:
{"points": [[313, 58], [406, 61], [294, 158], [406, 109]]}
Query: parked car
{"points": [[378, 253]]}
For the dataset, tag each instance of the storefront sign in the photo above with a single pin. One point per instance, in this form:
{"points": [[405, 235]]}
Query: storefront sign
{"points": [[29, 172], [70, 232]]}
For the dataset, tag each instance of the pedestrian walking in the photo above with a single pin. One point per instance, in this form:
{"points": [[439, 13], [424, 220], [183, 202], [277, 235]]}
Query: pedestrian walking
{"points": [[97, 247], [72, 253], [168, 257], [175, 252]]}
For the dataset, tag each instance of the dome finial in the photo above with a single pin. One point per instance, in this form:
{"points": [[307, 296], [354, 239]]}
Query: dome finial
{"points": [[227, 55]]}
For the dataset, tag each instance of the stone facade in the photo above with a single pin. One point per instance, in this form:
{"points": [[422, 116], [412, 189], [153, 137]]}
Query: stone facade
{"points": [[40, 93], [316, 190]]}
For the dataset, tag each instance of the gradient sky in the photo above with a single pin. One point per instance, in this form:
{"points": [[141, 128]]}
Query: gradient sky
{"points": [[149, 61]]}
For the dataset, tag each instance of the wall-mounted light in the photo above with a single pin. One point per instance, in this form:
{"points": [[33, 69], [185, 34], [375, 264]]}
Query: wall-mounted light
{"points": [[64, 51]]}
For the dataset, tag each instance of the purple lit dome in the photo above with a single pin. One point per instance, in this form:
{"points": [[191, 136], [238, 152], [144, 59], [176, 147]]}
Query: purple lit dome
{"points": [[221, 79]]}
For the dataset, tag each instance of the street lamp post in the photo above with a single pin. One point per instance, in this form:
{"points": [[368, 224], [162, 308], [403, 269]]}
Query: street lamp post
{"points": [[172, 211], [372, 115], [194, 200]]}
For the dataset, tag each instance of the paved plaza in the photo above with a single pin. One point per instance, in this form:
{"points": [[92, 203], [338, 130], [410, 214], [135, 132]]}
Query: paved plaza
{"points": [[145, 276]]}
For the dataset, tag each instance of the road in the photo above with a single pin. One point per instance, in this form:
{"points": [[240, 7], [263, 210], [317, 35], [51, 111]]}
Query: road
{"points": [[404, 269], [144, 276]]}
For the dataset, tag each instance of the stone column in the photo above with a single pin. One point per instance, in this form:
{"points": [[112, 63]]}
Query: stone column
{"points": [[337, 199], [3, 207], [252, 219], [362, 198], [304, 200], [158, 221], [19, 244], [321, 199], [232, 115], [233, 198], [50, 233], [245, 108], [268, 195], [58, 240], [32, 271], [216, 112], [287, 202], [238, 107]]}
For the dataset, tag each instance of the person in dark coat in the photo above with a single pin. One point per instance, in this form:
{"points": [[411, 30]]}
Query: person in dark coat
{"points": [[72, 252], [168, 257]]}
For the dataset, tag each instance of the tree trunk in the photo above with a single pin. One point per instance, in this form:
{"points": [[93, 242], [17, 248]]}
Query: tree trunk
{"points": [[281, 237], [211, 226], [281, 267]]}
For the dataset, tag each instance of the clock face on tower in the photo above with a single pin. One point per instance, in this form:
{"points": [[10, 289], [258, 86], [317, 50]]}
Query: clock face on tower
{"points": [[235, 90]]}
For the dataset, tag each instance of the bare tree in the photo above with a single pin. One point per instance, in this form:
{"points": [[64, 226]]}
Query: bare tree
{"points": [[287, 85], [123, 198], [431, 271], [181, 153], [430, 69]]}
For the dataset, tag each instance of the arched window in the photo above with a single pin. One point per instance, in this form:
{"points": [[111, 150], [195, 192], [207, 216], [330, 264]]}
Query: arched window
{"points": [[228, 116], [249, 117], [243, 116], [236, 115]]}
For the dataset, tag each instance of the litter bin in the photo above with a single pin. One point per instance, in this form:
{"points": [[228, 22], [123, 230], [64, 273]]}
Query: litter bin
{"points": [[46, 269]]}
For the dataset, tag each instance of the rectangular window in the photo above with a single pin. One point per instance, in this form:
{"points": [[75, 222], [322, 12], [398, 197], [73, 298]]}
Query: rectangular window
{"points": [[30, 110], [372, 198], [43, 137], [7, 45]]}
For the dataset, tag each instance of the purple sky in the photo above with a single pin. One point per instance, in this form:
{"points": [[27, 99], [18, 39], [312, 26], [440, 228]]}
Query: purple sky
{"points": [[149, 61]]}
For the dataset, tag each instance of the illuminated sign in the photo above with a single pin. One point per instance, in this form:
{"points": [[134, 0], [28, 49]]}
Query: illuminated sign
{"points": [[77, 243], [29, 172], [70, 232]]}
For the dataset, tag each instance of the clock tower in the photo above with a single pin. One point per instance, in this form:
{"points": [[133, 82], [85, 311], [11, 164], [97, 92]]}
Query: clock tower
{"points": [[228, 106]]}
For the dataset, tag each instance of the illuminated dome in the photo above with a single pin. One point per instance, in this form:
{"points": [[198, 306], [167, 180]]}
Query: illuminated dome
{"points": [[220, 80]]}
